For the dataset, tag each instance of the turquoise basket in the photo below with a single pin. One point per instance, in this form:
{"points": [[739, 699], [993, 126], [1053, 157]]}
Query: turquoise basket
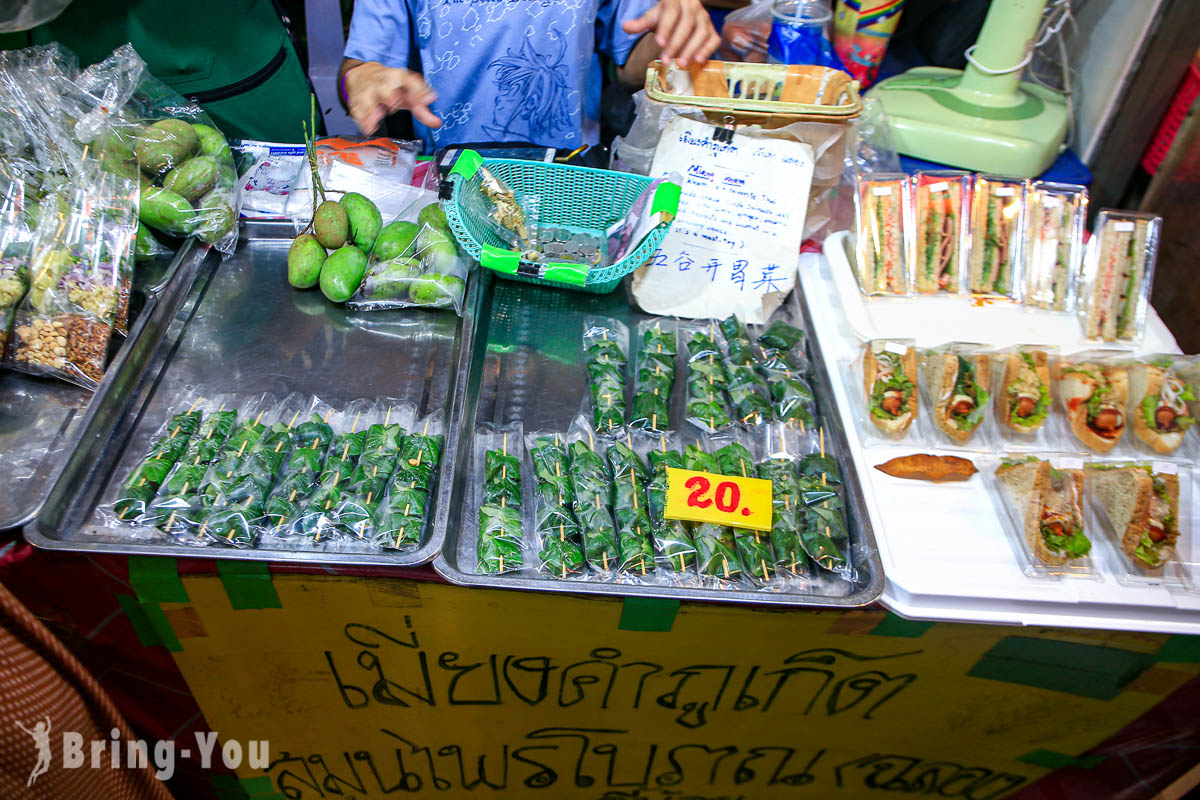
{"points": [[576, 197]]}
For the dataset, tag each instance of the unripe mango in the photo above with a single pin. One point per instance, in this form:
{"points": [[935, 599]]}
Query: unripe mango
{"points": [[331, 225]]}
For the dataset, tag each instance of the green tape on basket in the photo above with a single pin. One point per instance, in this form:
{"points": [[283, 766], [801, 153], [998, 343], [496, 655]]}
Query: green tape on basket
{"points": [[573, 274], [149, 623], [467, 164], [1180, 648], [1086, 670], [1052, 759], [248, 584], [156, 579], [505, 261], [648, 614], [666, 198], [893, 625]]}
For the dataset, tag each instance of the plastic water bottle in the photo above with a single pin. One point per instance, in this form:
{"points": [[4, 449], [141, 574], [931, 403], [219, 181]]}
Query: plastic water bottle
{"points": [[799, 33]]}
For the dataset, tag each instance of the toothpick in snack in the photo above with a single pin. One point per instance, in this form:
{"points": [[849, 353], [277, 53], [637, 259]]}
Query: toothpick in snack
{"points": [[764, 566], [170, 520], [354, 427], [260, 413], [822, 442], [725, 564]]}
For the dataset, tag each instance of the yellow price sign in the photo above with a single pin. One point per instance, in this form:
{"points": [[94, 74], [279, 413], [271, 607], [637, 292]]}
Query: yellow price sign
{"points": [[719, 499]]}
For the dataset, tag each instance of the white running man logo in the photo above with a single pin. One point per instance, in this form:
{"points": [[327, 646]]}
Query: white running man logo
{"points": [[41, 738]]}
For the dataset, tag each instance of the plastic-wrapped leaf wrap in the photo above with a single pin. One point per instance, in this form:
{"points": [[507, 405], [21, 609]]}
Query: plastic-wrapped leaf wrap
{"points": [[672, 541], [782, 363], [140, 486], [654, 376], [501, 543], [634, 530], [753, 547], [707, 379], [716, 551], [555, 527], [593, 494], [605, 351]]}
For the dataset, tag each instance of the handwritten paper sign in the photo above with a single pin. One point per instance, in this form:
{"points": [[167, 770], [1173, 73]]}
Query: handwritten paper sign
{"points": [[734, 245]]}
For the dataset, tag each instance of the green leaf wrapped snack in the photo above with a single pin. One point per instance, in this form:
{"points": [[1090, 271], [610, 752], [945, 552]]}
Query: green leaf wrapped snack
{"points": [[593, 493], [629, 508], [707, 380], [672, 541], [605, 349], [716, 550], [555, 526], [753, 547], [142, 483], [655, 375], [500, 546]]}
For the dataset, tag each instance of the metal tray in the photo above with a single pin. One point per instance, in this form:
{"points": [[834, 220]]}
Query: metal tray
{"points": [[242, 331], [526, 364], [40, 418]]}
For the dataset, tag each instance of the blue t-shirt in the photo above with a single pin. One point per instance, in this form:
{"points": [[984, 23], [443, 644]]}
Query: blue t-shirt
{"points": [[504, 70]]}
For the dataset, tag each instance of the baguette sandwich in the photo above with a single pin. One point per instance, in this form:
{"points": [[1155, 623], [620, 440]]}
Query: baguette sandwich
{"points": [[957, 387], [1158, 405], [890, 386], [1024, 400], [1095, 397]]}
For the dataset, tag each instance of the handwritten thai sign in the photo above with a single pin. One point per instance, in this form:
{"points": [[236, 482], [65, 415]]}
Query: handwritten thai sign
{"points": [[741, 215]]}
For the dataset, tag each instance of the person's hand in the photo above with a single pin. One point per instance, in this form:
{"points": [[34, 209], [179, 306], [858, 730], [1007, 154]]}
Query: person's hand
{"points": [[682, 29], [375, 91]]}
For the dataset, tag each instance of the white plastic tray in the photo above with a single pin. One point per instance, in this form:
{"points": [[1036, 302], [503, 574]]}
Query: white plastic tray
{"points": [[943, 549]]}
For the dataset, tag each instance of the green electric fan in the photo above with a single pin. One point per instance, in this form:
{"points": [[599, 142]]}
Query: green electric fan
{"points": [[983, 118]]}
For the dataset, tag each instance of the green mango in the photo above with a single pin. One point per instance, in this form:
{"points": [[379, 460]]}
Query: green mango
{"points": [[167, 211], [342, 273], [165, 145], [193, 178], [394, 239], [331, 225], [437, 291], [433, 215], [212, 142], [390, 280], [365, 220], [305, 259], [440, 257], [146, 246], [215, 216]]}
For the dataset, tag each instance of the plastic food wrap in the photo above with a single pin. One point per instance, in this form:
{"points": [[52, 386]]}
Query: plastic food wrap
{"points": [[398, 519], [605, 351], [593, 496], [415, 262], [501, 544], [890, 397], [674, 549], [781, 361], [1119, 273], [630, 511], [883, 219], [1053, 254], [555, 527], [822, 523], [941, 223], [717, 555], [1146, 511], [654, 376], [707, 378], [956, 381], [1022, 391], [1041, 503], [748, 391], [1161, 398], [80, 266], [997, 225], [184, 161], [15, 239], [1094, 392]]}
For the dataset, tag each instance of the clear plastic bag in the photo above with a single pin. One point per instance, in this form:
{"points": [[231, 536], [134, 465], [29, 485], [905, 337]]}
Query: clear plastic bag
{"points": [[675, 552], [1115, 294], [940, 227], [782, 363], [593, 485], [14, 246], [707, 379], [748, 391], [378, 168], [556, 531], [501, 543], [399, 521], [745, 32], [415, 263], [1053, 254], [137, 490], [654, 375], [630, 479], [606, 355], [717, 556], [81, 263], [998, 208], [883, 220], [183, 160]]}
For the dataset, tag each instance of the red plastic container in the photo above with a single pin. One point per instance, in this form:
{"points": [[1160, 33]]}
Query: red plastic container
{"points": [[1160, 145]]}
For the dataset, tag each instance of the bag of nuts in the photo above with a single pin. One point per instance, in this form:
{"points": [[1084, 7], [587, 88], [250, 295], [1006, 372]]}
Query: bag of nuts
{"points": [[79, 277]]}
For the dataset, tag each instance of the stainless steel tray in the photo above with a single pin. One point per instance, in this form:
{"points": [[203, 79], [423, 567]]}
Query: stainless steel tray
{"points": [[526, 364], [242, 331], [40, 418]]}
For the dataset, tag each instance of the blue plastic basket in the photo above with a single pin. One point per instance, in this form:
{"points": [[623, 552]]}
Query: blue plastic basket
{"points": [[576, 197]]}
